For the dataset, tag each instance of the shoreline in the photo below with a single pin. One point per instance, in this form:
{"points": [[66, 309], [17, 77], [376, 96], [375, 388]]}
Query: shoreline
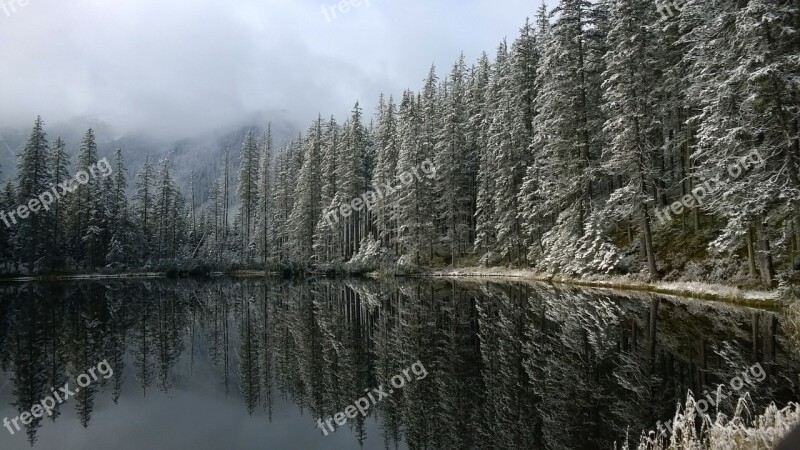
{"points": [[131, 276], [696, 290], [80, 277]]}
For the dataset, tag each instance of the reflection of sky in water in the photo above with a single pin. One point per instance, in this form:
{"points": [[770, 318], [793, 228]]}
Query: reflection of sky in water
{"points": [[194, 415]]}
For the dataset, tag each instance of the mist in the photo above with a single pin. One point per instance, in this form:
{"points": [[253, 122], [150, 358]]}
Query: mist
{"points": [[178, 69]]}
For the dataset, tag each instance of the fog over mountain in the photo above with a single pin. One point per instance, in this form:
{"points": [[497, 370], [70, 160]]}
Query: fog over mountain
{"points": [[177, 70], [200, 152]]}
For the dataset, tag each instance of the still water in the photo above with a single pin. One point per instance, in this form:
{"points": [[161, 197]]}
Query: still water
{"points": [[253, 364]]}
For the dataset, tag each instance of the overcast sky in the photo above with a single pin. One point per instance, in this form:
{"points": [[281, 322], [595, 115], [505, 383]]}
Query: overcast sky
{"points": [[183, 67]]}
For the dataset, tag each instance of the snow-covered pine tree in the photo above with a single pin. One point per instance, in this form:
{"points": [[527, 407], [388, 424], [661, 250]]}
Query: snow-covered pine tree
{"points": [[502, 145], [86, 210], [752, 64], [567, 126], [246, 191], [307, 209], [162, 206], [143, 209], [329, 245], [59, 163], [533, 218], [119, 224], [265, 185], [353, 178], [32, 179], [287, 168], [452, 196], [631, 103], [512, 130], [214, 236], [481, 104], [414, 201], [429, 107], [226, 195], [386, 170], [7, 202], [678, 91], [169, 209]]}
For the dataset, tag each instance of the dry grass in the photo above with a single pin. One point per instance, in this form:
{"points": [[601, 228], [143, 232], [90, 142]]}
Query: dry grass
{"points": [[740, 432]]}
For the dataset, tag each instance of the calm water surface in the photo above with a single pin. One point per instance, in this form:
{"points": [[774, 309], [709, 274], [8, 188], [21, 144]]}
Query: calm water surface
{"points": [[252, 364]]}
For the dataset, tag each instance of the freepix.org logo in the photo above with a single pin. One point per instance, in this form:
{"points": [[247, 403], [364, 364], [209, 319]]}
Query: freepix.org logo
{"points": [[342, 7], [10, 7], [48, 404], [665, 7], [43, 201]]}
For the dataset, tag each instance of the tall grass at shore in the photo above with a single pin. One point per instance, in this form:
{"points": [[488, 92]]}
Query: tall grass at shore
{"points": [[695, 431]]}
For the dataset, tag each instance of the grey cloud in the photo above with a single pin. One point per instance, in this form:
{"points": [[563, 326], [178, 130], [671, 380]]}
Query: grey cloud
{"points": [[181, 67]]}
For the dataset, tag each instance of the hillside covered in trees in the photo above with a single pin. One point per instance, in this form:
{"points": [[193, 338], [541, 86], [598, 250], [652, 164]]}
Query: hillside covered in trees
{"points": [[581, 147]]}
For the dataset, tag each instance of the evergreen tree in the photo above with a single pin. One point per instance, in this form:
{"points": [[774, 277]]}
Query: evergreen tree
{"points": [[353, 176], [386, 142], [504, 143], [265, 186], [247, 191], [167, 208], [452, 182], [481, 101], [32, 180], [59, 161], [752, 63], [567, 126], [307, 209], [286, 170], [413, 216], [327, 236], [214, 241], [7, 203], [628, 90], [143, 208], [226, 176], [120, 224], [86, 210]]}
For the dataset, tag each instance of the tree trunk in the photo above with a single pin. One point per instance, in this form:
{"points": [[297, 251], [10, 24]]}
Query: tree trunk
{"points": [[751, 254], [648, 241], [767, 269]]}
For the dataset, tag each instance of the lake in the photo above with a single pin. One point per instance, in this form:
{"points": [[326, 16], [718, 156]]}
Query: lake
{"points": [[440, 364]]}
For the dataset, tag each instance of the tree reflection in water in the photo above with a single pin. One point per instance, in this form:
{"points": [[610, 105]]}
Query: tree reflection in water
{"points": [[510, 365]]}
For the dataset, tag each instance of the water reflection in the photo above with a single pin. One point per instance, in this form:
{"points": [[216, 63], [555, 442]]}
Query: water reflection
{"points": [[510, 365]]}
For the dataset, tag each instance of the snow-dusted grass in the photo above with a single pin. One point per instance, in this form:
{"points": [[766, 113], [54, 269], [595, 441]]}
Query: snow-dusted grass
{"points": [[740, 432], [707, 291]]}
